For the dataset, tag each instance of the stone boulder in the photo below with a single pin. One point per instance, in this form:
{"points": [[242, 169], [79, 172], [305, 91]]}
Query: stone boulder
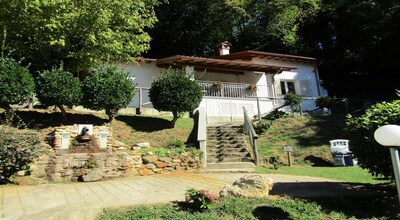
{"points": [[249, 186], [93, 175]]}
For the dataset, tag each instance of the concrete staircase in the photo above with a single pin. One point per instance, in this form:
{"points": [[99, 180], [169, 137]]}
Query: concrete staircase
{"points": [[227, 149]]}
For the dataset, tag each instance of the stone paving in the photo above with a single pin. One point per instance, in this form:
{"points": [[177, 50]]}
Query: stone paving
{"points": [[85, 201]]}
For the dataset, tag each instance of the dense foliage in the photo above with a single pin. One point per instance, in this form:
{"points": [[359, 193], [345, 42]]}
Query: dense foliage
{"points": [[58, 87], [356, 39], [17, 151], [108, 88], [175, 92], [370, 154], [16, 84], [325, 102], [294, 101], [75, 32]]}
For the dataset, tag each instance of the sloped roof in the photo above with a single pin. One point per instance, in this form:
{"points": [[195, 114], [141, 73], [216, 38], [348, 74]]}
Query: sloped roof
{"points": [[218, 64], [249, 54]]}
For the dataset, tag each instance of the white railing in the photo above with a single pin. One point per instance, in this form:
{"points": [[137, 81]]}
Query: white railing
{"points": [[232, 90], [251, 133]]}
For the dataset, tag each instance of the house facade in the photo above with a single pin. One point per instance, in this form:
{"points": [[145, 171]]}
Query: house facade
{"points": [[255, 80]]}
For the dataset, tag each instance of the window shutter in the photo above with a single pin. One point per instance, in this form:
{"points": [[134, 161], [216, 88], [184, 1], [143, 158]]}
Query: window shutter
{"points": [[306, 88]]}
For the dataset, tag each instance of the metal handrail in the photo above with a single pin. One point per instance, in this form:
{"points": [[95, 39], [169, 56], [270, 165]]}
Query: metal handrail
{"points": [[249, 130]]}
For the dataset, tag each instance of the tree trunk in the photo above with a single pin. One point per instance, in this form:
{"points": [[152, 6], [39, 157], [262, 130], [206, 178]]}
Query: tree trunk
{"points": [[9, 113], [110, 115], [63, 112], [176, 116]]}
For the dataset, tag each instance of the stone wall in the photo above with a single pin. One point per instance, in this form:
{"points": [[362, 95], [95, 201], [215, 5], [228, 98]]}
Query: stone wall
{"points": [[89, 167], [65, 164]]}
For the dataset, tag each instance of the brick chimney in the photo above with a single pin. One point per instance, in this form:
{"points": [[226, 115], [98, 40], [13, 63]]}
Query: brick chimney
{"points": [[224, 48]]}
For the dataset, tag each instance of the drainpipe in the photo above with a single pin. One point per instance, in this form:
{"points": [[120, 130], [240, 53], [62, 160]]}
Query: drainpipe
{"points": [[317, 77]]}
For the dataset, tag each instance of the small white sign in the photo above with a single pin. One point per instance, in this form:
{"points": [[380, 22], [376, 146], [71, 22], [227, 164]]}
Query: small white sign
{"points": [[287, 149]]}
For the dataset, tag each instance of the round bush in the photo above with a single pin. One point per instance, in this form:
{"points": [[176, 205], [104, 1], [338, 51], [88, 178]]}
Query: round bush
{"points": [[58, 87], [16, 83], [175, 92], [109, 88], [325, 102], [361, 129]]}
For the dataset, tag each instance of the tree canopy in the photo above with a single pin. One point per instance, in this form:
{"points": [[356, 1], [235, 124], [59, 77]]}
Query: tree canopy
{"points": [[76, 33], [356, 39], [174, 91]]}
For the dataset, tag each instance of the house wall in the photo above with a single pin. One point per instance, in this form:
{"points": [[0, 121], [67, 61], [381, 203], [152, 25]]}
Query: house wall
{"points": [[305, 77], [143, 75]]}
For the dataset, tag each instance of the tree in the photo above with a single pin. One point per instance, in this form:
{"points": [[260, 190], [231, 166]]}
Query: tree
{"points": [[109, 88], [325, 102], [16, 84], [359, 42], [370, 154], [58, 87], [196, 27], [294, 101], [175, 92], [76, 33]]}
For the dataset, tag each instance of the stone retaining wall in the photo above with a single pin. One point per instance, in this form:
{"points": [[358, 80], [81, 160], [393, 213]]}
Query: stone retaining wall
{"points": [[66, 164]]}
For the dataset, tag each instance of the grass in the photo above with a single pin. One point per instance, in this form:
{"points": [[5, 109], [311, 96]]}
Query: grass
{"points": [[353, 174], [229, 208], [308, 136]]}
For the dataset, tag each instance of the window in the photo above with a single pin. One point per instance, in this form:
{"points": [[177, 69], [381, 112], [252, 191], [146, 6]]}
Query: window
{"points": [[287, 87]]}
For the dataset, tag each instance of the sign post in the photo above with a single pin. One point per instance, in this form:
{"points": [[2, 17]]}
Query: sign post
{"points": [[289, 150]]}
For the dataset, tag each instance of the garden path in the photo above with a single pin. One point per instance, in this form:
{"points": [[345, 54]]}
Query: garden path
{"points": [[85, 201]]}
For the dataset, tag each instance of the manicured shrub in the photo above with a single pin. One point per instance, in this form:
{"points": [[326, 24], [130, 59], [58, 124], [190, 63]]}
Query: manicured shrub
{"points": [[17, 150], [108, 88], [175, 92], [325, 102], [58, 87], [370, 154], [294, 101], [16, 84]]}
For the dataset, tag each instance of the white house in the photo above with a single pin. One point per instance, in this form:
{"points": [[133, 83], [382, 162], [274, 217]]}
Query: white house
{"points": [[273, 74]]}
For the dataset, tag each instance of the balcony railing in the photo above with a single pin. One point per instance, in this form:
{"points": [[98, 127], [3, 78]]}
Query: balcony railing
{"points": [[224, 89]]}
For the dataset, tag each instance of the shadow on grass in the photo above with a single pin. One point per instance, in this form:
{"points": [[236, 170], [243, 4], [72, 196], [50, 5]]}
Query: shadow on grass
{"points": [[267, 213], [145, 124], [318, 161], [40, 120], [326, 129], [363, 201]]}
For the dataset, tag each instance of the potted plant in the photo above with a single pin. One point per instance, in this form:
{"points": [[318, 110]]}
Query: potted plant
{"points": [[217, 85], [252, 87]]}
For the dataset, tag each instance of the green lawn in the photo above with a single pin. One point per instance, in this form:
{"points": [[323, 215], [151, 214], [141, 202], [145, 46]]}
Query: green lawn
{"points": [[349, 174]]}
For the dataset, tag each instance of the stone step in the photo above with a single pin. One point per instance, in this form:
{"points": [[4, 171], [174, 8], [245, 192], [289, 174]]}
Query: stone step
{"points": [[231, 159], [225, 144], [228, 154], [229, 149], [228, 136], [231, 167]]}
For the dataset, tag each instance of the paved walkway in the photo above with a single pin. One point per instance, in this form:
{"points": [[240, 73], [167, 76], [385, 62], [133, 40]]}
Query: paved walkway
{"points": [[84, 201]]}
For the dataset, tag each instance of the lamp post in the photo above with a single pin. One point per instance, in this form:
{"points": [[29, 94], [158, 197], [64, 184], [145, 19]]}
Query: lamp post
{"points": [[389, 136]]}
